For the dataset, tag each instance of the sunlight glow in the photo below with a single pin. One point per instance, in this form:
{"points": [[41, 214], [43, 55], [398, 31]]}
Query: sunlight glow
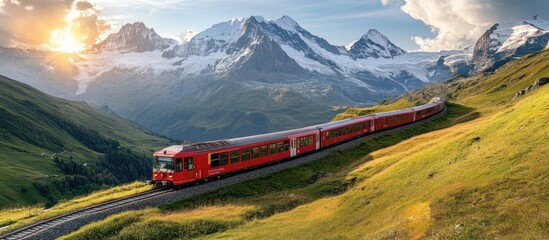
{"points": [[63, 40], [82, 29]]}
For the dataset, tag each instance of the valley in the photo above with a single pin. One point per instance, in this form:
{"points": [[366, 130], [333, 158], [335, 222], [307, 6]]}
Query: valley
{"points": [[406, 185], [54, 149]]}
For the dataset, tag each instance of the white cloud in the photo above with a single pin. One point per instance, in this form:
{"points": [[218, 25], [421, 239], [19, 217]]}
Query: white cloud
{"points": [[459, 23]]}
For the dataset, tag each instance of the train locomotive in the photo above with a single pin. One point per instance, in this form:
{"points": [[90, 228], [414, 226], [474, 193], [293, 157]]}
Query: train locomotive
{"points": [[182, 164]]}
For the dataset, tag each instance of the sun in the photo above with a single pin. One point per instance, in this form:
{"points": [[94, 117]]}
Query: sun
{"points": [[63, 40]]}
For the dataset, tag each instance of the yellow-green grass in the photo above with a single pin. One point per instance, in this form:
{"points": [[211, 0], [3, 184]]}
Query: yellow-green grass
{"points": [[265, 197], [480, 172], [487, 179], [154, 224], [356, 111], [18, 217]]}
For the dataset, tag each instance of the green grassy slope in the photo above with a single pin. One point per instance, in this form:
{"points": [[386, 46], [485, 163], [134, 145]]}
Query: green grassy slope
{"points": [[480, 172], [35, 127]]}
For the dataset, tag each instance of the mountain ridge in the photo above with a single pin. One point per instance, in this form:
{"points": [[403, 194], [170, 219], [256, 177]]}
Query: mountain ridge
{"points": [[276, 61]]}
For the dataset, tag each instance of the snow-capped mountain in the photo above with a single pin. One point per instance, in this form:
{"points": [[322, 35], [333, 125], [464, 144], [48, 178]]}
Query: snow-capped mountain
{"points": [[376, 45], [505, 42], [248, 75], [243, 76], [229, 43], [134, 37]]}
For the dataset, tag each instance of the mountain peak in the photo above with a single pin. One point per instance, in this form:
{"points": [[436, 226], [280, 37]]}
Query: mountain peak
{"points": [[134, 25], [258, 18], [134, 37], [287, 23], [374, 44], [375, 36], [373, 32], [509, 40]]}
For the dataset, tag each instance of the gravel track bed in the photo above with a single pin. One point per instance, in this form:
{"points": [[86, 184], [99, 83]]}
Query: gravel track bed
{"points": [[70, 226]]}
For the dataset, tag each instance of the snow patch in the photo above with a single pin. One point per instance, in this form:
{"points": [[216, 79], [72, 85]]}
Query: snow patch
{"points": [[305, 62], [350, 45]]}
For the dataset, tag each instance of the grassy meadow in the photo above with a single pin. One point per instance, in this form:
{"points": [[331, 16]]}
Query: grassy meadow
{"points": [[479, 172]]}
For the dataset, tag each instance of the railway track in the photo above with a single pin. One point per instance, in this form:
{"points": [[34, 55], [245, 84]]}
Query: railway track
{"points": [[30, 230]]}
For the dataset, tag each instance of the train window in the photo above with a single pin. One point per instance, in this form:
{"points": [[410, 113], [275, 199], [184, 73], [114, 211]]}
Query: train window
{"points": [[255, 152], [328, 135], [223, 159], [234, 156], [280, 146], [189, 163], [214, 160], [245, 154], [311, 142], [264, 150], [272, 148], [286, 146], [336, 133], [178, 165]]}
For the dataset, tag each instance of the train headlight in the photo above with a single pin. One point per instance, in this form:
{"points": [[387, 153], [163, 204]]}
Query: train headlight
{"points": [[155, 174], [170, 176]]}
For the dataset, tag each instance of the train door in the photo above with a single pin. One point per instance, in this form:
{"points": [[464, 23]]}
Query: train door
{"points": [[185, 169], [317, 140], [293, 147]]}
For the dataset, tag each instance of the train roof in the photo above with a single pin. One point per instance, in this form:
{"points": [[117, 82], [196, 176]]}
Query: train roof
{"points": [[269, 136], [220, 144], [425, 106], [383, 114], [335, 124]]}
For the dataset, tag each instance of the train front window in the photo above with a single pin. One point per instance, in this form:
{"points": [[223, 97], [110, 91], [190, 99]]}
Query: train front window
{"points": [[163, 163]]}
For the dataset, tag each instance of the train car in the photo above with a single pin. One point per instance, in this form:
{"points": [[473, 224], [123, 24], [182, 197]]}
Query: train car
{"points": [[180, 164], [340, 131], [392, 119], [426, 110]]}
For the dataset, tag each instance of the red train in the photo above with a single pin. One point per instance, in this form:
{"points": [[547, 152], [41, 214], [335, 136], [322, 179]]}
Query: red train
{"points": [[180, 164]]}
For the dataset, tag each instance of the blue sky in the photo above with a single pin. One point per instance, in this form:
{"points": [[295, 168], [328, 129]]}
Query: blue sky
{"points": [[338, 21], [429, 25]]}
